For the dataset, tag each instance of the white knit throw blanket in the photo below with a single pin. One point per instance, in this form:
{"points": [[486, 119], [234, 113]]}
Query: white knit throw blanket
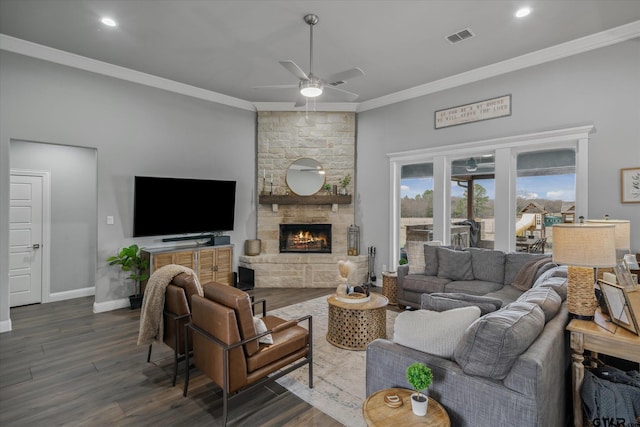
{"points": [[151, 318]]}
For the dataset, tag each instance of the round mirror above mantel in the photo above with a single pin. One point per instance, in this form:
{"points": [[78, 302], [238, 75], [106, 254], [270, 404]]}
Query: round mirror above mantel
{"points": [[305, 177]]}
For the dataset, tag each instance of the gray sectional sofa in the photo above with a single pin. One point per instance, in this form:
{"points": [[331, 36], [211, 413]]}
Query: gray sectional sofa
{"points": [[508, 367], [473, 271]]}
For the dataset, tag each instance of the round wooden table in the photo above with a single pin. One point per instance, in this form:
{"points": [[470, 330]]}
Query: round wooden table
{"points": [[377, 413], [354, 325]]}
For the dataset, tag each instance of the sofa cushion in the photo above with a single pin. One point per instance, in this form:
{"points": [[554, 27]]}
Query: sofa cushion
{"points": [[507, 294], [558, 284], [433, 332], [487, 265], [415, 256], [491, 345], [445, 301], [545, 298], [421, 283], [431, 258], [514, 261], [473, 287], [529, 273], [454, 265]]}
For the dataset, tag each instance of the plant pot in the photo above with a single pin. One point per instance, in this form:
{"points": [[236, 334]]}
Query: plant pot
{"points": [[419, 404], [135, 301]]}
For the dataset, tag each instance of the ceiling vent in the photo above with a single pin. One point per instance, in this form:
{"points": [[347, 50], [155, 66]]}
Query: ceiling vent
{"points": [[460, 36]]}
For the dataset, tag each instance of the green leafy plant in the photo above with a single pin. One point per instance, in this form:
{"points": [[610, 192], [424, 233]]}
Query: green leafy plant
{"points": [[403, 261], [327, 188], [130, 260], [419, 376], [345, 181]]}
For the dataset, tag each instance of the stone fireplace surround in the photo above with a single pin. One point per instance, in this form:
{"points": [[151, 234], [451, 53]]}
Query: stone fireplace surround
{"points": [[283, 137]]}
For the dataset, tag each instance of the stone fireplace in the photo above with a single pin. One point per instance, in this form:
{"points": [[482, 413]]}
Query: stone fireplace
{"points": [[305, 238], [283, 138]]}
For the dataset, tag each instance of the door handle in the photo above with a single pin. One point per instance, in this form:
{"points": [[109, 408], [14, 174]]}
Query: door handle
{"points": [[36, 246]]}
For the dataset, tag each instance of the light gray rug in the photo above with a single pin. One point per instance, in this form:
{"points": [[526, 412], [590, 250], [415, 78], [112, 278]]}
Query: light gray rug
{"points": [[338, 374]]}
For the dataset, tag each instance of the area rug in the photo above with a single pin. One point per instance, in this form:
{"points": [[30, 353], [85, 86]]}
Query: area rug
{"points": [[338, 374]]}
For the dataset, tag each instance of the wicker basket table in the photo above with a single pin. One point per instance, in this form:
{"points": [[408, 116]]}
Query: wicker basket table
{"points": [[390, 286], [352, 326]]}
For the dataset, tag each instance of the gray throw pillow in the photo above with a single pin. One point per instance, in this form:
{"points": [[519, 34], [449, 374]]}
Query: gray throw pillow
{"points": [[491, 345], [430, 260], [444, 301], [544, 297], [454, 265], [487, 265]]}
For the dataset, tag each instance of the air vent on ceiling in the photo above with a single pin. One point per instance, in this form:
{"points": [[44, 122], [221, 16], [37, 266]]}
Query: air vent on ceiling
{"points": [[460, 36]]}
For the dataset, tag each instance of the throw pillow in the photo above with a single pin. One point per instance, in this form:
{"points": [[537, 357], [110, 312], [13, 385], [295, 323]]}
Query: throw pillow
{"points": [[558, 284], [446, 301], [433, 332], [431, 257], [491, 345], [545, 298], [514, 261], [454, 265], [258, 323], [415, 256], [487, 265], [528, 273]]}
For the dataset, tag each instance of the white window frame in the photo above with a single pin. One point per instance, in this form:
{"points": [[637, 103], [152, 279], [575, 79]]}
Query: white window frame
{"points": [[505, 151]]}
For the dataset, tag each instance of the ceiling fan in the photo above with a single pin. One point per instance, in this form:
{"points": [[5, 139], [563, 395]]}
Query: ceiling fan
{"points": [[310, 85]]}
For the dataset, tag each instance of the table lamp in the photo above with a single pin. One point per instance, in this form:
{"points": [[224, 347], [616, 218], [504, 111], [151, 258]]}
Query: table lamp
{"points": [[622, 231], [583, 247]]}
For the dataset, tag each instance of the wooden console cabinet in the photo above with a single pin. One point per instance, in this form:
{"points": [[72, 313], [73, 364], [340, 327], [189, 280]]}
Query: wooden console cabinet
{"points": [[211, 263]]}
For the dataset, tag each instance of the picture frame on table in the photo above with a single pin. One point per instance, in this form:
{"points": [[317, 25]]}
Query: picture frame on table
{"points": [[620, 306], [630, 185], [623, 275]]}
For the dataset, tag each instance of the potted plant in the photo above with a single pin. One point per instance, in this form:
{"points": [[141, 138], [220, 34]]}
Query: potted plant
{"points": [[130, 260], [344, 182], [327, 188], [420, 378]]}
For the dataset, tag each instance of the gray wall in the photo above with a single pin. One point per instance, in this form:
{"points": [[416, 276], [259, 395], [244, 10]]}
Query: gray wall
{"points": [[137, 130], [600, 87], [73, 209]]}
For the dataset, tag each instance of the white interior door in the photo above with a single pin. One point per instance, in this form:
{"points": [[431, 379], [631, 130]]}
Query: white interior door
{"points": [[25, 240]]}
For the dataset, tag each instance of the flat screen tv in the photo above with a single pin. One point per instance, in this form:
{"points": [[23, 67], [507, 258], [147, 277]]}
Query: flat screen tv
{"points": [[169, 206]]}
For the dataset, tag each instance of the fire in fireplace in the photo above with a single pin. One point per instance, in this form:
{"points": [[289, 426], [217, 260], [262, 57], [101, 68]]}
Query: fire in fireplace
{"points": [[308, 238]]}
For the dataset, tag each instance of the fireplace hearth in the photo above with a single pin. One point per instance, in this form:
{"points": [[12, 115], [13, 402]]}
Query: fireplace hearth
{"points": [[305, 238]]}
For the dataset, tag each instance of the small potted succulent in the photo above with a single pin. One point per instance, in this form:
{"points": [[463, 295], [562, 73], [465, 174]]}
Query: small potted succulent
{"points": [[344, 182], [420, 378]]}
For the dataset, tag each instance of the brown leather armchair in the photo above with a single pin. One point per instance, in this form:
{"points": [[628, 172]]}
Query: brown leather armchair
{"points": [[226, 347], [177, 313]]}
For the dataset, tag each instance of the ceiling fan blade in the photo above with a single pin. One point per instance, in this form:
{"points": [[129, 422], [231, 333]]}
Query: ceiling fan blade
{"points": [[294, 69], [350, 95], [344, 76], [285, 86]]}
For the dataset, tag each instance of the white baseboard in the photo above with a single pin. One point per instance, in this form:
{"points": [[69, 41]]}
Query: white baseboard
{"points": [[5, 326], [101, 307], [76, 293]]}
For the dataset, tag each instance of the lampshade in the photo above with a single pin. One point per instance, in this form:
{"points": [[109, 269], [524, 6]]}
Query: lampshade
{"points": [[584, 245], [622, 231]]}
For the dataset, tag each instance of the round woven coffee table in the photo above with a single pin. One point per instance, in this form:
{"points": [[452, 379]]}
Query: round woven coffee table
{"points": [[377, 413], [354, 325]]}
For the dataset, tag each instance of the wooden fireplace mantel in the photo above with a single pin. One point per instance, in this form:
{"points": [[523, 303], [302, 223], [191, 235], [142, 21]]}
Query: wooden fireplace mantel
{"points": [[267, 199]]}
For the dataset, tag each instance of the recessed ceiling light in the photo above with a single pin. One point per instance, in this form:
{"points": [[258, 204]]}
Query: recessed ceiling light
{"points": [[109, 22], [521, 13]]}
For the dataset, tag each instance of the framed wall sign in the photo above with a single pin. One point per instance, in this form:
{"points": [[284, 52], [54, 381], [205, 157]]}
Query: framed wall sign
{"points": [[475, 112], [630, 185]]}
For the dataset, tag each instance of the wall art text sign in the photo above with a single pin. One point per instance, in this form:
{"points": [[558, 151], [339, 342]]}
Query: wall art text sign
{"points": [[475, 112]]}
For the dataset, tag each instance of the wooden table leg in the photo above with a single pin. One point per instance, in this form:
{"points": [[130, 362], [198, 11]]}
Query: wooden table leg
{"points": [[577, 375]]}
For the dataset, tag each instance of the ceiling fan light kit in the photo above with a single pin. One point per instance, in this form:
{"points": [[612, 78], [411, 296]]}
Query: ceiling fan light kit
{"points": [[310, 89]]}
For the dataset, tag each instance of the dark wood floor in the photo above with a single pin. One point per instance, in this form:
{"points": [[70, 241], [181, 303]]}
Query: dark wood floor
{"points": [[64, 365]]}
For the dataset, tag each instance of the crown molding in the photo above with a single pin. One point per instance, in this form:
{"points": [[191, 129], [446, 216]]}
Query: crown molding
{"points": [[23, 47], [319, 106], [563, 50]]}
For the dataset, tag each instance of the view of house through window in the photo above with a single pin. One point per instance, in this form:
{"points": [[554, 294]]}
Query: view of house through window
{"points": [[545, 195]]}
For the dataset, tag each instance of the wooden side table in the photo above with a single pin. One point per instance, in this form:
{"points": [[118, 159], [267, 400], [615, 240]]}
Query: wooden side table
{"points": [[377, 413], [390, 286], [588, 335], [353, 326]]}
